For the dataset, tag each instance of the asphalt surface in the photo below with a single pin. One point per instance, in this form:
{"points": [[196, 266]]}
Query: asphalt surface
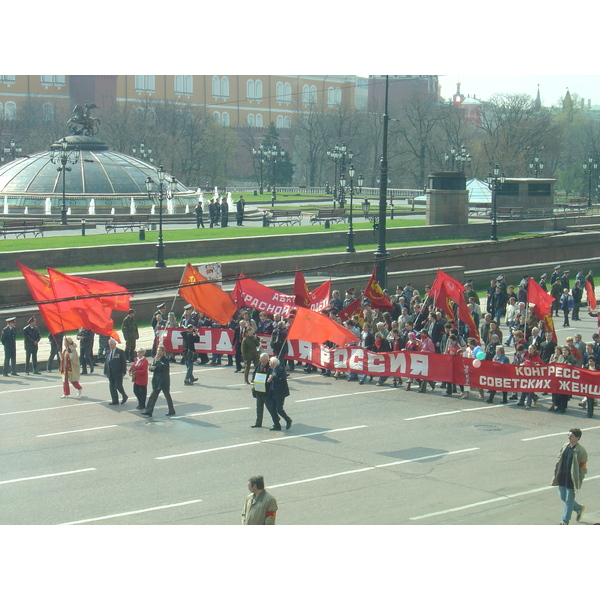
{"points": [[354, 454]]}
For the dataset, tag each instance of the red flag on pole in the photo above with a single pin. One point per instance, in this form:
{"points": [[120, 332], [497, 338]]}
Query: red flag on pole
{"points": [[207, 298], [301, 291], [375, 294], [311, 326], [354, 311], [591, 294], [542, 303]]}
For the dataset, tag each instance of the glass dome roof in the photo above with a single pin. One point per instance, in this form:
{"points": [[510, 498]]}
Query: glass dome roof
{"points": [[99, 172]]}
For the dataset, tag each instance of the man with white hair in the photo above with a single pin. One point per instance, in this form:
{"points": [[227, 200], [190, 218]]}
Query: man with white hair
{"points": [[115, 369]]}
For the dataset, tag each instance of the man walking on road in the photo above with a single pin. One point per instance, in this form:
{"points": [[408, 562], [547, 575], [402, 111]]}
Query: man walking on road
{"points": [[569, 472], [260, 507], [115, 369], [130, 333]]}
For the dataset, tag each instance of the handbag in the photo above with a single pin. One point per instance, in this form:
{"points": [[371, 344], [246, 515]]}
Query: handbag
{"points": [[260, 383]]}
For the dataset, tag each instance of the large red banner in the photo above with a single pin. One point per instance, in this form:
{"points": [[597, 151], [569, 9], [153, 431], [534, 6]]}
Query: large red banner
{"points": [[555, 378]]}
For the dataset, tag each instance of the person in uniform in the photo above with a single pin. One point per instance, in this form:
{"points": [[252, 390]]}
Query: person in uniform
{"points": [[131, 334], [260, 508], [199, 215], [56, 342], [224, 212], [31, 339], [9, 341], [190, 339], [86, 344], [239, 213]]}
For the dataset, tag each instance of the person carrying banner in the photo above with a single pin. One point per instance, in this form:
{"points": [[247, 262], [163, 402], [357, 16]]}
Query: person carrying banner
{"points": [[260, 391]]}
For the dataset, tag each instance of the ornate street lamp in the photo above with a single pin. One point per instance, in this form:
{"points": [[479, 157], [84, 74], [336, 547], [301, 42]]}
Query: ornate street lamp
{"points": [[339, 155], [351, 173], [151, 186], [63, 155], [536, 166], [461, 158], [590, 166], [143, 153], [495, 183], [261, 154]]}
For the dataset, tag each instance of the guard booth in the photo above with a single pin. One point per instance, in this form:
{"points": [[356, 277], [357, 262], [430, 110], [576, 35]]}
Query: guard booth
{"points": [[447, 199]]}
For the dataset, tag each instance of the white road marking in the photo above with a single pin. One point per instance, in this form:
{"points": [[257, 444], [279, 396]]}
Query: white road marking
{"points": [[132, 512], [48, 475], [454, 412], [33, 410], [342, 395], [76, 431], [539, 437], [211, 412], [383, 466], [490, 501], [279, 439]]}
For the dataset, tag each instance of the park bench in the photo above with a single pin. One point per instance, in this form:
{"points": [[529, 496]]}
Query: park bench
{"points": [[509, 212], [284, 217], [126, 222], [333, 215], [22, 227]]}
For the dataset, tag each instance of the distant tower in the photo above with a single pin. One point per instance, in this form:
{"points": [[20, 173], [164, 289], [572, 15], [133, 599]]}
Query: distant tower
{"points": [[567, 102], [538, 101]]}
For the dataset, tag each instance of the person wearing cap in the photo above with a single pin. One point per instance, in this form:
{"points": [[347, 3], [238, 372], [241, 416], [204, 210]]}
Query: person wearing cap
{"points": [[131, 334], [56, 343], [86, 344], [239, 211], [69, 368], [31, 340], [564, 280], [115, 369], [224, 212], [161, 309], [577, 293], [139, 377], [555, 275], [569, 473], [543, 283], [9, 341]]}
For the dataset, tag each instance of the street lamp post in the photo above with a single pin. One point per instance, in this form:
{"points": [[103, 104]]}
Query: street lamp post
{"points": [[536, 166], [150, 184], [351, 173], [590, 166], [277, 154], [63, 155], [339, 155], [261, 154], [461, 158], [143, 153], [495, 183]]}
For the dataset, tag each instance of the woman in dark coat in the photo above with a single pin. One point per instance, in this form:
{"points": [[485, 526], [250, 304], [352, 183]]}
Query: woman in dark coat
{"points": [[278, 391], [161, 382]]}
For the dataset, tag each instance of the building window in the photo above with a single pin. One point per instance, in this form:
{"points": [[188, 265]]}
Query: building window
{"points": [[10, 111], [48, 112], [216, 87], [309, 94], [283, 92], [279, 124], [145, 83], [225, 119], [53, 79], [287, 122], [279, 91], [184, 84], [334, 96], [250, 89], [250, 120], [7, 79], [225, 87], [258, 90], [259, 121], [287, 92], [1, 112], [217, 117]]}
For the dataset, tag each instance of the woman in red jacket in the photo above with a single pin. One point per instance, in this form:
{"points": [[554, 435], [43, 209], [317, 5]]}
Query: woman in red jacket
{"points": [[139, 376]]}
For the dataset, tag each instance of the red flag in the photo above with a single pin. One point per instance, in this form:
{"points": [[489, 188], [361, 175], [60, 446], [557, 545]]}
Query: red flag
{"points": [[207, 298], [319, 297], [90, 312], [94, 286], [445, 290], [591, 294], [375, 294], [354, 311], [538, 297], [311, 326], [301, 291], [547, 319], [40, 288]]}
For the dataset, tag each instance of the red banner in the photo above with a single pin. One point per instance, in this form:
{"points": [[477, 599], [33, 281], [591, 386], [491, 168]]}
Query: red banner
{"points": [[555, 378], [252, 294]]}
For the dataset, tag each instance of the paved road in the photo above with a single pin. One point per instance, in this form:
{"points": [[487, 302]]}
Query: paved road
{"points": [[354, 455]]}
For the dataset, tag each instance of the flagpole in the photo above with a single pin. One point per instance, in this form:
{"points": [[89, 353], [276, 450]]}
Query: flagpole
{"points": [[180, 282], [57, 304]]}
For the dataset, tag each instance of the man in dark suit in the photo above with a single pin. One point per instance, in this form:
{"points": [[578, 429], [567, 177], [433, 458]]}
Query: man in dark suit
{"points": [[115, 368]]}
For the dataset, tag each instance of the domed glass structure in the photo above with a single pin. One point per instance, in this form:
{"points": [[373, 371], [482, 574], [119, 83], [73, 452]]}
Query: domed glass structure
{"points": [[111, 179]]}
